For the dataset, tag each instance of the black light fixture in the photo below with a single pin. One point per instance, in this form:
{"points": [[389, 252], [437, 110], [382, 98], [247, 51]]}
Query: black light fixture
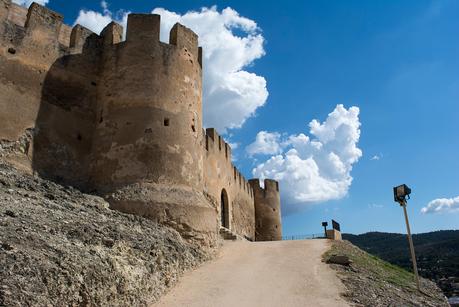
{"points": [[401, 193]]}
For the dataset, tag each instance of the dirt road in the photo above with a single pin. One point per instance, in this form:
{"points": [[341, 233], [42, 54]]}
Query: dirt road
{"points": [[284, 273]]}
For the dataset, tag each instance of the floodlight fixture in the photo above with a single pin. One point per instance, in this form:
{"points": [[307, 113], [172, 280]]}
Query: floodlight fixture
{"points": [[401, 193]]}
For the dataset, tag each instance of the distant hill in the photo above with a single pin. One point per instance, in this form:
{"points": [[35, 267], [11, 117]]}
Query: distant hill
{"points": [[437, 254]]}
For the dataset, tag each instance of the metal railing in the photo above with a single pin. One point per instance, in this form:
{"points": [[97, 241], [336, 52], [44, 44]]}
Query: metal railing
{"points": [[304, 237]]}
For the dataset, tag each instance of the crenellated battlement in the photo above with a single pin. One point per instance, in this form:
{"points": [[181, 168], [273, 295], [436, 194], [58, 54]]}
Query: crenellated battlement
{"points": [[242, 182], [35, 18], [269, 185], [35, 30], [143, 27], [182, 37], [144, 30], [40, 22], [215, 143], [43, 19], [79, 36], [112, 34]]}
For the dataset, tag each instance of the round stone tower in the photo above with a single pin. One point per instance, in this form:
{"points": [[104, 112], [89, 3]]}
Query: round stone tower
{"points": [[147, 150], [268, 225], [149, 117]]}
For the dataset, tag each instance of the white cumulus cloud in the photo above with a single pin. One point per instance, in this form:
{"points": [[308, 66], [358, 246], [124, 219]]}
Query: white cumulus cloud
{"points": [[96, 21], [317, 168], [442, 205], [265, 143], [230, 42], [27, 3]]}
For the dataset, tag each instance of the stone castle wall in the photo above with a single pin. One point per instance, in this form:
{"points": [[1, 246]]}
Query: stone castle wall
{"points": [[28, 50], [220, 174], [121, 118]]}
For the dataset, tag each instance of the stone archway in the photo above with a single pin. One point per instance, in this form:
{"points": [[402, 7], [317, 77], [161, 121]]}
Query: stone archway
{"points": [[224, 209]]}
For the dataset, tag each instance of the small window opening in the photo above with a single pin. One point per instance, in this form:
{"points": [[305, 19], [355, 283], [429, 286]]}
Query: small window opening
{"points": [[79, 137], [193, 128], [274, 209], [166, 122], [93, 83]]}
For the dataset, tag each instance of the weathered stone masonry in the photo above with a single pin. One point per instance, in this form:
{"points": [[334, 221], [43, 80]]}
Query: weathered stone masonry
{"points": [[123, 119]]}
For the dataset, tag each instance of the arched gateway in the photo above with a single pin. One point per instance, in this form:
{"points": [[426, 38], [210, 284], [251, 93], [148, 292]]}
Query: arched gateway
{"points": [[224, 209]]}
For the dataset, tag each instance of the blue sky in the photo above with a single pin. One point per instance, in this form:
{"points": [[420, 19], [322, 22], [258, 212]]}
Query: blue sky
{"points": [[397, 61]]}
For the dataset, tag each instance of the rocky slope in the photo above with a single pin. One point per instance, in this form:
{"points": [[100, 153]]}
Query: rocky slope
{"points": [[437, 254], [60, 247], [370, 281]]}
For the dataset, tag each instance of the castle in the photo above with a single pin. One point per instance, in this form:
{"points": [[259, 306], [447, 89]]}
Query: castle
{"points": [[123, 119]]}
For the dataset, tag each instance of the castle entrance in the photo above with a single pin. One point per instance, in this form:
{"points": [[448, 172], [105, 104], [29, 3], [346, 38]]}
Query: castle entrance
{"points": [[224, 209]]}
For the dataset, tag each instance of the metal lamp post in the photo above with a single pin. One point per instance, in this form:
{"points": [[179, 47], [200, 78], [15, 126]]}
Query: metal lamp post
{"points": [[401, 193]]}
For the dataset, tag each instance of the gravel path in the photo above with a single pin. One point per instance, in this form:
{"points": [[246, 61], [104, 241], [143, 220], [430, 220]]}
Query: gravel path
{"points": [[284, 273]]}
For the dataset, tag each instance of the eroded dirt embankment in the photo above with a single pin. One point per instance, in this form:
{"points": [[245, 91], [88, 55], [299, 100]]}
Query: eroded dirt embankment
{"points": [[60, 247], [372, 282]]}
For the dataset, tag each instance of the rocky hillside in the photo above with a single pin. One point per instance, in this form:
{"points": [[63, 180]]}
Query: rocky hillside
{"points": [[59, 247], [437, 254], [370, 281]]}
